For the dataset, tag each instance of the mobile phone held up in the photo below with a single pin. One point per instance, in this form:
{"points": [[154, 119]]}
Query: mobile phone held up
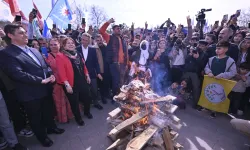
{"points": [[69, 26], [18, 18], [44, 51], [225, 17]]}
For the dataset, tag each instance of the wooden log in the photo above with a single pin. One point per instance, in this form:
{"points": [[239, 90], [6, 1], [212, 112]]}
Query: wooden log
{"points": [[175, 119], [172, 108], [178, 146], [161, 99], [112, 134], [131, 108], [138, 142], [117, 143], [167, 139], [114, 113], [174, 135]]}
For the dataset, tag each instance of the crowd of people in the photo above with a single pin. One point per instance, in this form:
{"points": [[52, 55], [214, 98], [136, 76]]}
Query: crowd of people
{"points": [[44, 81]]}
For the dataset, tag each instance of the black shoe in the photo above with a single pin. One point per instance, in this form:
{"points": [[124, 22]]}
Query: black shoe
{"points": [[80, 122], [89, 115], [199, 109], [55, 131], [213, 115], [98, 106], [18, 146], [47, 142]]}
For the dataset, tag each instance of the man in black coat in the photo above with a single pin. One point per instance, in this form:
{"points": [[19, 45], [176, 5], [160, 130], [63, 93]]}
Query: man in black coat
{"points": [[90, 57], [33, 79], [224, 35]]}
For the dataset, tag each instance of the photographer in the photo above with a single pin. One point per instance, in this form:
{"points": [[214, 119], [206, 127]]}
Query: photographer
{"points": [[194, 64]]}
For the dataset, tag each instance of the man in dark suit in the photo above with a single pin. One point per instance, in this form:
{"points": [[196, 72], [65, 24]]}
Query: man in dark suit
{"points": [[33, 79], [90, 57]]}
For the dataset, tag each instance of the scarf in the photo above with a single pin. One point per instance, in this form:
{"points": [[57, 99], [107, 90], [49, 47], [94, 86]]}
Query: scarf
{"points": [[144, 52]]}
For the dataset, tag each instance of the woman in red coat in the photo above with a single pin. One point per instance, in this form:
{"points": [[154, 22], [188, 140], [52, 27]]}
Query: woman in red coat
{"points": [[63, 109], [73, 75]]}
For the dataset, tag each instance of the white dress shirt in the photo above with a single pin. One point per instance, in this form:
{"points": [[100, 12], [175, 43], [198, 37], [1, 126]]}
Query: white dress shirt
{"points": [[85, 52], [179, 60]]}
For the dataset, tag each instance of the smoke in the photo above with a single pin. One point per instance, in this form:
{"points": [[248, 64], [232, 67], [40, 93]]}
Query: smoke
{"points": [[159, 81]]}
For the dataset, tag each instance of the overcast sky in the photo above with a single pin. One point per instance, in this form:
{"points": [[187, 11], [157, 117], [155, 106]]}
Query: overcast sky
{"points": [[153, 11]]}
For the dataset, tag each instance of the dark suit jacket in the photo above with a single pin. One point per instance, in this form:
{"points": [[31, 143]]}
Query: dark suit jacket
{"points": [[233, 51], [25, 72], [91, 62]]}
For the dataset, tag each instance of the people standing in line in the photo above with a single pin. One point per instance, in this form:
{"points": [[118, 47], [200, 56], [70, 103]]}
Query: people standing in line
{"points": [[74, 77], [33, 79], [91, 61], [63, 109], [116, 56]]}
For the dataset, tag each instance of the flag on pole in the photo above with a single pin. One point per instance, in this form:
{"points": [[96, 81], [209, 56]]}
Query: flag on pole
{"points": [[61, 14], [14, 7], [46, 31], [53, 3], [5, 13], [38, 15], [214, 94], [38, 12]]}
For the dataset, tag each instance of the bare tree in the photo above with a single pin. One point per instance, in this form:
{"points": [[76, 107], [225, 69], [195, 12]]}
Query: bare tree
{"points": [[79, 14], [244, 18], [97, 15]]}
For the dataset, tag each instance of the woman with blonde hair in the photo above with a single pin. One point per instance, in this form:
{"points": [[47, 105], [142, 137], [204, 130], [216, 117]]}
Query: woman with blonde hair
{"points": [[74, 77]]}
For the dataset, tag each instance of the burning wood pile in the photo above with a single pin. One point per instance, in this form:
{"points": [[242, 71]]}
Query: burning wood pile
{"points": [[143, 120]]}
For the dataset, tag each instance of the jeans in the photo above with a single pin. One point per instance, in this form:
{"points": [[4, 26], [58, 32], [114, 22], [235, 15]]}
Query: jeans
{"points": [[5, 124], [94, 91], [195, 86], [117, 72]]}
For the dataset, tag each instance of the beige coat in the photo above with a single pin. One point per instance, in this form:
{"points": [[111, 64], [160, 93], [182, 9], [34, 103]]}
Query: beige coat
{"points": [[100, 58]]}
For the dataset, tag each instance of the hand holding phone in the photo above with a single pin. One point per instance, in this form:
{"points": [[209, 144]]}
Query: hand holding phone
{"points": [[44, 51], [225, 17], [238, 13]]}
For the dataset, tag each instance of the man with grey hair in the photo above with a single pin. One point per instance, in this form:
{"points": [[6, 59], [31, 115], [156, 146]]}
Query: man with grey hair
{"points": [[91, 61]]}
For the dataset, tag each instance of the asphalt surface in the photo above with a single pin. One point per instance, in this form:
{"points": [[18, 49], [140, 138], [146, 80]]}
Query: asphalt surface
{"points": [[198, 132]]}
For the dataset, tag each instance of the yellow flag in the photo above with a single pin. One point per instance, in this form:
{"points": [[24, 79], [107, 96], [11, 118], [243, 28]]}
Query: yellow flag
{"points": [[214, 94]]}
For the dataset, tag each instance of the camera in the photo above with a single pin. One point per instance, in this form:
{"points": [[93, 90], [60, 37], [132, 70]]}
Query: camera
{"points": [[201, 15], [178, 44]]}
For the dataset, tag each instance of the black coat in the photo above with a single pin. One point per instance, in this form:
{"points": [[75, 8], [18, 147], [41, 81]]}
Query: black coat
{"points": [[233, 51], [91, 62], [26, 73]]}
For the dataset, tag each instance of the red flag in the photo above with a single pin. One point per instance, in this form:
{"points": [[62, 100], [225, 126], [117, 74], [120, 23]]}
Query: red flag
{"points": [[38, 12], [14, 8], [23, 16]]}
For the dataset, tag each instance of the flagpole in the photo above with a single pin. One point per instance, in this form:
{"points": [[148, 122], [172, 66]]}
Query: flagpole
{"points": [[52, 9]]}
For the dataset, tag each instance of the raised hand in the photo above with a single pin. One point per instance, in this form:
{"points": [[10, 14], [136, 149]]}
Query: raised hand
{"points": [[112, 20]]}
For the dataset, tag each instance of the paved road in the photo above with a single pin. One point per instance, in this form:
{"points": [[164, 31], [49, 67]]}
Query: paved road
{"points": [[198, 132]]}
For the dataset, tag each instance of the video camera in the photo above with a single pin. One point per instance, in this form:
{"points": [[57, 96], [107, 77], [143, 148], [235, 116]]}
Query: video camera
{"points": [[201, 14]]}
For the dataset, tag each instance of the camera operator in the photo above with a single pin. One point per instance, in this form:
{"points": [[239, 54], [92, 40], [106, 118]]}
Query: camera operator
{"points": [[179, 51], [194, 65]]}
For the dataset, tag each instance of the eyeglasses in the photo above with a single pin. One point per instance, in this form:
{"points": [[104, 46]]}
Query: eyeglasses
{"points": [[53, 44]]}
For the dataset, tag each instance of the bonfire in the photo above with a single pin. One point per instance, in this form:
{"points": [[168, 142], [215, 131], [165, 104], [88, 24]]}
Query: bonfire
{"points": [[143, 120]]}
